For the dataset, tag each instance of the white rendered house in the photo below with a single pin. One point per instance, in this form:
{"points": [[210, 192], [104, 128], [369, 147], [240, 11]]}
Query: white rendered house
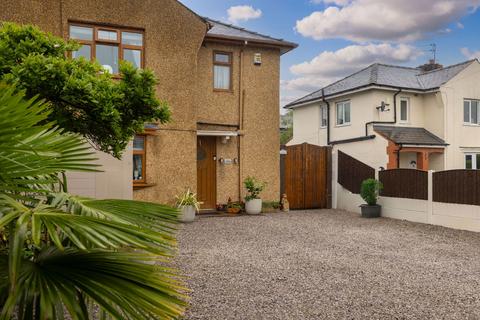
{"points": [[397, 117]]}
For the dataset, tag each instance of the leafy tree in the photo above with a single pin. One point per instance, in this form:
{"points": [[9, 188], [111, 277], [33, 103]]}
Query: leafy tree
{"points": [[286, 122], [83, 97], [65, 254], [286, 136]]}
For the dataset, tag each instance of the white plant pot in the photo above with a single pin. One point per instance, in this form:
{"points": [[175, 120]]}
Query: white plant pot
{"points": [[253, 206], [187, 214]]}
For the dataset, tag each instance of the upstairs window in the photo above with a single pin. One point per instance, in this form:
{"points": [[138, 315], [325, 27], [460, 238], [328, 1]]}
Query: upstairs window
{"points": [[108, 45], [472, 161], [139, 159], [323, 117], [471, 112], [343, 113], [222, 71], [404, 110]]}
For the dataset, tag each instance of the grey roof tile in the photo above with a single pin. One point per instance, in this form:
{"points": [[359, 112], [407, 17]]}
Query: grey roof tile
{"points": [[409, 135], [387, 75], [225, 30]]}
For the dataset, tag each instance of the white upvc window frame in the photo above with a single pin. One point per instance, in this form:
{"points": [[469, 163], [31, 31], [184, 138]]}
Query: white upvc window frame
{"points": [[343, 104], [323, 116], [407, 100], [471, 120], [475, 160]]}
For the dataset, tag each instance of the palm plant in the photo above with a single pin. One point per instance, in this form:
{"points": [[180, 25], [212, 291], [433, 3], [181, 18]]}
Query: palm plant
{"points": [[61, 254]]}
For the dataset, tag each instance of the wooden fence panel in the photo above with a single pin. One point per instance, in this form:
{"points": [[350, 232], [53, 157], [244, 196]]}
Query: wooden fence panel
{"points": [[404, 183], [351, 172], [457, 186]]}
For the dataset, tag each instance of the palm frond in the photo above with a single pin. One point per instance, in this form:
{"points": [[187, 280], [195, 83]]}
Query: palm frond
{"points": [[138, 213], [65, 254], [125, 285], [32, 148]]}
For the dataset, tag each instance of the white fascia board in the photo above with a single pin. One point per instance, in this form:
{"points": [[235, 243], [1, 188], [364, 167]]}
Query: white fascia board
{"points": [[422, 146]]}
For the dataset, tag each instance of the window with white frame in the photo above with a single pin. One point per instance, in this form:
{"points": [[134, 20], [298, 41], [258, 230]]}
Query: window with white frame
{"points": [[472, 161], [343, 113], [404, 110], [471, 111], [323, 117]]}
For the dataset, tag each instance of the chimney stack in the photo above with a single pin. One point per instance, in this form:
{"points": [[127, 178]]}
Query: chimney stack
{"points": [[431, 65]]}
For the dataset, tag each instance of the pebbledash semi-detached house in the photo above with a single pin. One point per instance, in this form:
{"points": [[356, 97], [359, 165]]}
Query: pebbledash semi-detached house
{"points": [[221, 82], [396, 117]]}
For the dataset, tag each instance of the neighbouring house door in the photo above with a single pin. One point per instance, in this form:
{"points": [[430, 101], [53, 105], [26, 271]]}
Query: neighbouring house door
{"points": [[206, 172]]}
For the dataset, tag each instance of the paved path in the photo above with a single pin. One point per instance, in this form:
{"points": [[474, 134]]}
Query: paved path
{"points": [[329, 264]]}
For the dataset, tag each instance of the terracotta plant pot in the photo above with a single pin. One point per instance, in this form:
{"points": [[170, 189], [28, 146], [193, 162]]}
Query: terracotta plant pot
{"points": [[253, 206], [233, 210]]}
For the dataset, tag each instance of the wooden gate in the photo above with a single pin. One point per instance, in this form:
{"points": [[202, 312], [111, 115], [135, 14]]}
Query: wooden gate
{"points": [[306, 176]]}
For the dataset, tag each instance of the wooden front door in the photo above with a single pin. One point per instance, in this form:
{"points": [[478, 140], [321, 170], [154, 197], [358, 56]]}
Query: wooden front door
{"points": [[206, 172]]}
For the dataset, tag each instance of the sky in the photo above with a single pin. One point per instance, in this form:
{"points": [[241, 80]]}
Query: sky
{"points": [[339, 37]]}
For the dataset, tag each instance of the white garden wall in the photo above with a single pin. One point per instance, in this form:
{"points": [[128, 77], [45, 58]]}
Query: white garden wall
{"points": [[457, 216]]}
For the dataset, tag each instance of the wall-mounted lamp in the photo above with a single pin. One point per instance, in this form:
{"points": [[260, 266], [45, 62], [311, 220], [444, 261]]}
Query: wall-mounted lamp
{"points": [[383, 107]]}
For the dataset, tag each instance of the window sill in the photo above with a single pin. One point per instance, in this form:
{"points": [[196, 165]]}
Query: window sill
{"points": [[141, 185], [223, 90], [343, 125], [466, 124]]}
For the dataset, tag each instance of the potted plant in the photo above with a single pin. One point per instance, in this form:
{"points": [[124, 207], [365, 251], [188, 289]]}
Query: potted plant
{"points": [[234, 207], [188, 205], [253, 203], [369, 192]]}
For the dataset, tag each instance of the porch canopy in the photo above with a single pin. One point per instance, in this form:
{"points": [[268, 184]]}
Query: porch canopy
{"points": [[410, 139]]}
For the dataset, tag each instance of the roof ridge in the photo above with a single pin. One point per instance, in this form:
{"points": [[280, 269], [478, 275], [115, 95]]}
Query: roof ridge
{"points": [[448, 67], [399, 67], [243, 29]]}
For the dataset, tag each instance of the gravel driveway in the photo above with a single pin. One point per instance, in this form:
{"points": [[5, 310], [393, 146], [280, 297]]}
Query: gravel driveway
{"points": [[327, 264]]}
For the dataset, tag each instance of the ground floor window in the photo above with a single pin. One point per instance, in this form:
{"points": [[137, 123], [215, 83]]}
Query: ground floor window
{"points": [[139, 159], [472, 161]]}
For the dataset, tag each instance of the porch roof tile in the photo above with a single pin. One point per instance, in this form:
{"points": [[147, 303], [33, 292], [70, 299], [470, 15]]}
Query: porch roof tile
{"points": [[409, 135]]}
